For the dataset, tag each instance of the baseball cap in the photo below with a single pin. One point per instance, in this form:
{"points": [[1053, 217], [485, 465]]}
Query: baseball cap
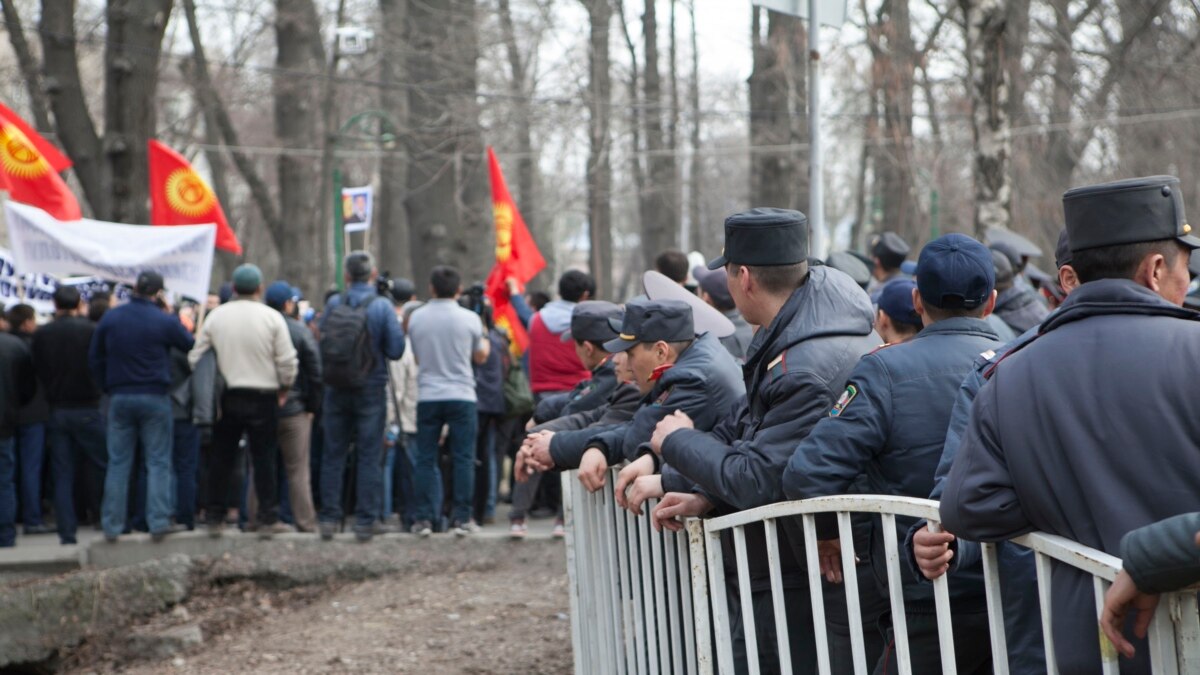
{"points": [[896, 301], [148, 282], [955, 271], [279, 292]]}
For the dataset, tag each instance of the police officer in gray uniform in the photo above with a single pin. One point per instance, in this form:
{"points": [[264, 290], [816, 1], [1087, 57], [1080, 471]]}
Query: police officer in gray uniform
{"points": [[888, 253], [589, 329], [1089, 430], [714, 289], [816, 323], [890, 424]]}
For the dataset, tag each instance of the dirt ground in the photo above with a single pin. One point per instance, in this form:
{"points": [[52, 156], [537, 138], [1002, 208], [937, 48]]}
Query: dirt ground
{"points": [[512, 618]]}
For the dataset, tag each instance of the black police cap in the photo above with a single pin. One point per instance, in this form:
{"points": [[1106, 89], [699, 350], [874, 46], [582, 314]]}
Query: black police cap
{"points": [[590, 321], [648, 321], [1127, 212], [890, 248], [764, 237]]}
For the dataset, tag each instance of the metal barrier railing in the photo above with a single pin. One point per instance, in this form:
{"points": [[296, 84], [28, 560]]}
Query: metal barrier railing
{"points": [[641, 600]]}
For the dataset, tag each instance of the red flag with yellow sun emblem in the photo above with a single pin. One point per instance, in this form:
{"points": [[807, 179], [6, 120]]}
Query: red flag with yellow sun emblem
{"points": [[179, 196], [517, 256], [29, 167]]}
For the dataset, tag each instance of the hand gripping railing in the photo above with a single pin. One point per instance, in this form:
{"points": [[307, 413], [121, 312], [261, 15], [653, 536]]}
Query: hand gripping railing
{"points": [[641, 600]]}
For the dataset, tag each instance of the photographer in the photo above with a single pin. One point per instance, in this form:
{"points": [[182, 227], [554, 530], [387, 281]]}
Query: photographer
{"points": [[489, 392]]}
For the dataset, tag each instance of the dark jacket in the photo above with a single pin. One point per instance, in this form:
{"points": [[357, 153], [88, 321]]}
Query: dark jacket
{"points": [[60, 355], [387, 337], [489, 377], [207, 387], [1020, 308], [306, 393], [890, 424], [1087, 432], [1022, 613], [795, 370], [1163, 557], [705, 383], [130, 350], [571, 432], [18, 382], [738, 342], [181, 386], [587, 395], [37, 411]]}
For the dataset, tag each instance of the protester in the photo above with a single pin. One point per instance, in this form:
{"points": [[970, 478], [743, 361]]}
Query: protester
{"points": [[447, 340], [359, 335], [31, 433], [18, 383], [258, 364], [130, 358], [489, 395], [402, 417], [76, 428]]}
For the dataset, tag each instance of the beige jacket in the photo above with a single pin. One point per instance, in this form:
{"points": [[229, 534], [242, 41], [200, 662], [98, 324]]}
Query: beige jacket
{"points": [[254, 350]]}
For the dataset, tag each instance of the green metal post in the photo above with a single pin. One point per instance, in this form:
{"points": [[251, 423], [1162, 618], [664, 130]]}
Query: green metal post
{"points": [[338, 230], [935, 229]]}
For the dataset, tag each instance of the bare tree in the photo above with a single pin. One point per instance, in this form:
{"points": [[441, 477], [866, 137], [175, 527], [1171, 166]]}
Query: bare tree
{"points": [[987, 83], [778, 111], [661, 223], [28, 66], [599, 163], [394, 234]]}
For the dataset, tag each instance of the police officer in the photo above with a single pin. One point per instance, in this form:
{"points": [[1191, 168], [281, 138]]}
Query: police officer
{"points": [[1017, 305], [674, 369], [897, 320], [888, 252], [936, 553], [890, 424], [714, 289], [1089, 430], [816, 323], [590, 330]]}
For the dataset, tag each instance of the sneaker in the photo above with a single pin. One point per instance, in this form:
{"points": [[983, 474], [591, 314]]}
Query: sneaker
{"points": [[328, 529], [215, 529], [560, 530], [38, 529], [269, 531], [422, 528], [464, 529], [518, 529]]}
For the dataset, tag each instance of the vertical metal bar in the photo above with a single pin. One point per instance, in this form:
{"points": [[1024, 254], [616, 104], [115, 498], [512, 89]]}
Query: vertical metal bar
{"points": [[1042, 563], [649, 585], [626, 596], [636, 591], [781, 625], [749, 632], [945, 621], [1187, 632], [660, 603], [1108, 653], [671, 561], [815, 592], [698, 559], [720, 605], [858, 646], [592, 609], [688, 613], [569, 498], [995, 608], [1163, 655], [614, 589], [896, 594]]}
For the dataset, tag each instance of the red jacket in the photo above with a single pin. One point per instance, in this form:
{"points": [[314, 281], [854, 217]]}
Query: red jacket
{"points": [[553, 364]]}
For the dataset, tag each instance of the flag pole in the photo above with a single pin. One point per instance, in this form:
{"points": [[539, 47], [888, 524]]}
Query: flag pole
{"points": [[339, 230]]}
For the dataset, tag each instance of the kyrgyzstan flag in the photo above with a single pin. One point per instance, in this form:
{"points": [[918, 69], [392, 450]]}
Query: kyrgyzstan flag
{"points": [[179, 196], [29, 167], [517, 256]]}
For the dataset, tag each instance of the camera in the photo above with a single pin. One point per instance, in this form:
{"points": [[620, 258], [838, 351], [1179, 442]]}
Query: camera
{"points": [[476, 300], [383, 285]]}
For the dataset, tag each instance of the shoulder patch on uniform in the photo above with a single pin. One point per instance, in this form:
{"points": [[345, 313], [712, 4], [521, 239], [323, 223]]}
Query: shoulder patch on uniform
{"points": [[844, 400], [663, 396], [880, 347], [778, 366], [988, 355]]}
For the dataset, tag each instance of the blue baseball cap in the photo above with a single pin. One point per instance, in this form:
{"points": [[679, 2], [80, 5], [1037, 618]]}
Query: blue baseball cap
{"points": [[955, 272], [278, 293], [896, 301]]}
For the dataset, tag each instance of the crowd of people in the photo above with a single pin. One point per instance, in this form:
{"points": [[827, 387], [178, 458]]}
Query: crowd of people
{"points": [[1022, 400]]}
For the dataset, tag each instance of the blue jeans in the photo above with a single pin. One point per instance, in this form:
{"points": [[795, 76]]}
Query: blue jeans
{"points": [[358, 415], [76, 442], [134, 417], [31, 456], [389, 481], [185, 464], [405, 458], [8, 492], [460, 417]]}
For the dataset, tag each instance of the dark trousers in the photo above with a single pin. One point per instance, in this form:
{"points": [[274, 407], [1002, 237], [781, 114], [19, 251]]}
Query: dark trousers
{"points": [[485, 464], [254, 413], [460, 417], [185, 461], [31, 459], [76, 441], [972, 645], [8, 492], [358, 416]]}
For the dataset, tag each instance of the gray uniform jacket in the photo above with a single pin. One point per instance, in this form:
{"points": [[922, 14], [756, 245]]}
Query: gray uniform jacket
{"points": [[1020, 308], [890, 424], [1163, 557], [571, 432], [797, 367], [587, 395], [705, 383], [738, 342], [1088, 432]]}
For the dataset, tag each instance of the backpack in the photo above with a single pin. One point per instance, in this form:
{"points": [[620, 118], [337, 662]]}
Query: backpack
{"points": [[346, 355]]}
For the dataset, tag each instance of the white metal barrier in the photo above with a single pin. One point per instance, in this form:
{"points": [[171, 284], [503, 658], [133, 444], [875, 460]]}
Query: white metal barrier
{"points": [[641, 601]]}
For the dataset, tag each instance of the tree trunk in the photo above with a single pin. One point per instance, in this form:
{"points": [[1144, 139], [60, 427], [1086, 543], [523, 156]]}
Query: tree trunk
{"points": [[661, 226], [778, 112], [702, 232], [392, 223], [134, 43], [987, 84], [897, 184], [447, 203], [301, 234], [76, 131], [636, 164], [28, 65], [599, 165]]}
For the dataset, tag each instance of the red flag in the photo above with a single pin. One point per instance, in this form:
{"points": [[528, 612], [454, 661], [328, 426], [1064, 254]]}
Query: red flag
{"points": [[179, 196], [517, 255], [29, 167]]}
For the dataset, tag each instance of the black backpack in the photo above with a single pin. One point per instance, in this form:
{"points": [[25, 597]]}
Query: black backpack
{"points": [[346, 355]]}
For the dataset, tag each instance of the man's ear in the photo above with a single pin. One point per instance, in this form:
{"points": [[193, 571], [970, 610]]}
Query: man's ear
{"points": [[1152, 271], [663, 351], [990, 305]]}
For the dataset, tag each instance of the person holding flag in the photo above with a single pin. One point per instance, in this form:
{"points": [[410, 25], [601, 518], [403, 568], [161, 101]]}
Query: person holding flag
{"points": [[30, 167], [179, 196], [517, 259]]}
